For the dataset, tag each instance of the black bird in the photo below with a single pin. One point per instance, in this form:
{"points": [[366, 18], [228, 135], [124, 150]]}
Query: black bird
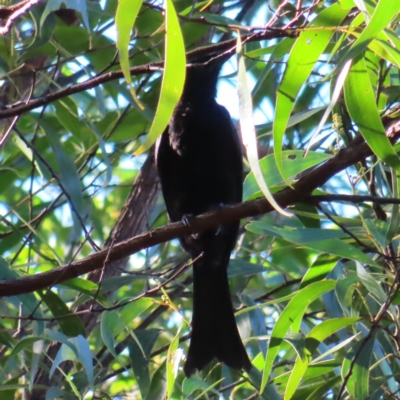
{"points": [[199, 162]]}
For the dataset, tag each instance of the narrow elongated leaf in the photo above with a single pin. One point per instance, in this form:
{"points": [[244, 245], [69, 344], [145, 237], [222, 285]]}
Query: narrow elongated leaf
{"points": [[158, 386], [173, 358], [248, 130], [344, 290], [208, 389], [36, 354], [139, 353], [383, 13], [371, 284], [395, 215], [296, 307], [190, 385], [125, 17], [71, 326], [305, 53], [335, 96], [279, 51], [83, 355], [21, 345], [244, 268], [321, 240], [364, 112], [321, 267], [173, 77], [293, 164], [319, 392], [294, 120], [87, 287], [358, 383], [115, 321], [313, 339], [69, 176]]}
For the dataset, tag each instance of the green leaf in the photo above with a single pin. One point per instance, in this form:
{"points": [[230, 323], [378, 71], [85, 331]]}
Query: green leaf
{"points": [[67, 114], [87, 287], [319, 392], [268, 303], [374, 288], [173, 358], [139, 354], [8, 389], [71, 326], [27, 151], [36, 355], [190, 385], [320, 268], [158, 386], [336, 348], [377, 229], [358, 383], [321, 240], [69, 177], [134, 309], [257, 320], [313, 340], [173, 77], [293, 163], [305, 53], [244, 268], [270, 392], [115, 282], [115, 321], [395, 215], [294, 120], [364, 112], [296, 307], [125, 17], [208, 389], [384, 12], [83, 355], [344, 290], [297, 341], [21, 345], [279, 51], [249, 136]]}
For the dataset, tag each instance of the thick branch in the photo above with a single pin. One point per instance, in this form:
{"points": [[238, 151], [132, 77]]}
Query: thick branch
{"points": [[355, 152]]}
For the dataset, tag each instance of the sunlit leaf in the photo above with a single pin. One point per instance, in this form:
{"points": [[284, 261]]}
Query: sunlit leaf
{"points": [[304, 54], [173, 77], [295, 308], [125, 17]]}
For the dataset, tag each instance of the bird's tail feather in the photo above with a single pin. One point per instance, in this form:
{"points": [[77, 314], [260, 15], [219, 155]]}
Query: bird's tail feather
{"points": [[214, 330]]}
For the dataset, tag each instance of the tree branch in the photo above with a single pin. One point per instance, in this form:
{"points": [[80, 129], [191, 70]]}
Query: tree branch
{"points": [[302, 190], [228, 46], [11, 13]]}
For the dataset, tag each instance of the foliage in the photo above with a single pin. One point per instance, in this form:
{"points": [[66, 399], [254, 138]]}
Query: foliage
{"points": [[316, 293]]}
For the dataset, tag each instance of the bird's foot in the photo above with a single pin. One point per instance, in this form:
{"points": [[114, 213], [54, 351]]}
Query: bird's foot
{"points": [[186, 220], [216, 208]]}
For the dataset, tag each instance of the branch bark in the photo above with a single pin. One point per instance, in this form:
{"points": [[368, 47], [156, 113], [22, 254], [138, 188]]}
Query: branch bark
{"points": [[356, 151], [228, 46]]}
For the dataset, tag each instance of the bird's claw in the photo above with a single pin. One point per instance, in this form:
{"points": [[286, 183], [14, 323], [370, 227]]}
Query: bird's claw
{"points": [[186, 221]]}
